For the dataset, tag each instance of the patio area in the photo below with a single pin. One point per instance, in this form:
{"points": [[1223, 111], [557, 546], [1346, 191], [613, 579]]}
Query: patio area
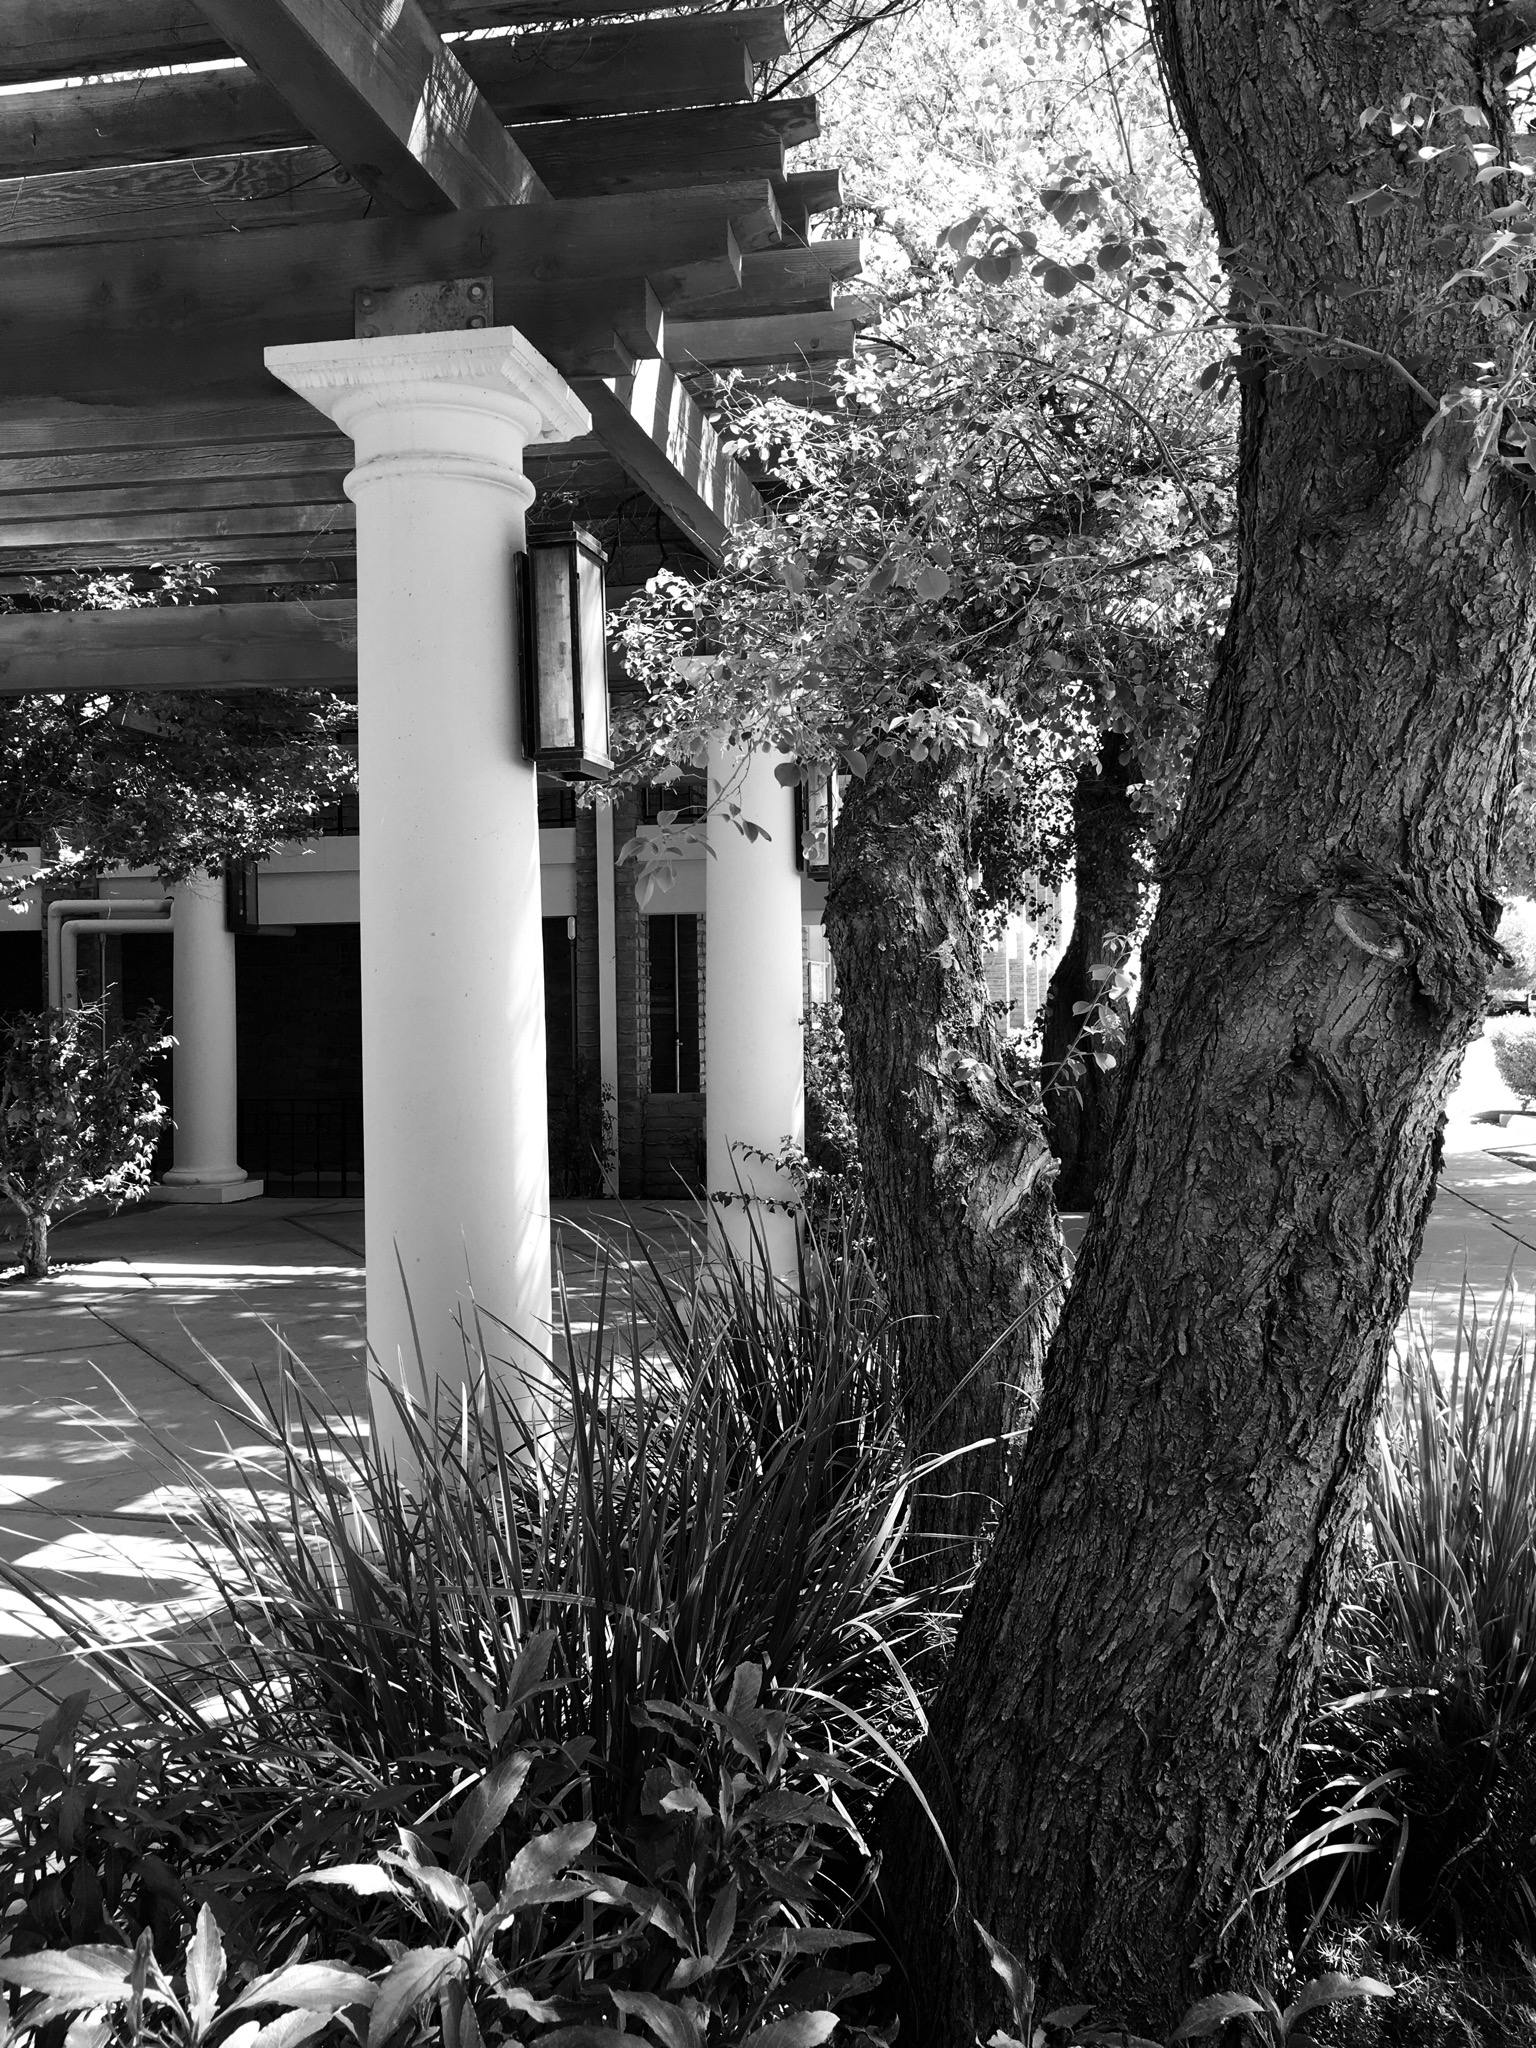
{"points": [[118, 1356], [115, 1358]]}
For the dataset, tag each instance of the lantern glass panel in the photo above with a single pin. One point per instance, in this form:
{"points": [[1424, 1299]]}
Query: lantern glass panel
{"points": [[554, 645], [593, 628]]}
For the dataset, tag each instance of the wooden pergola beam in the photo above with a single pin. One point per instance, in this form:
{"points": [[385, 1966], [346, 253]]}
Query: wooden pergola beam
{"points": [[47, 39], [308, 644], [151, 318], [793, 280], [391, 99], [660, 66], [652, 427]]}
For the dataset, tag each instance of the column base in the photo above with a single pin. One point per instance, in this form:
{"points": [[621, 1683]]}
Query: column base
{"points": [[206, 1191]]}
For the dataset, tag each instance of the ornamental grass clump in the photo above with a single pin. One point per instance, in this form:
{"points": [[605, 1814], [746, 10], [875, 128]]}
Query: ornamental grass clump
{"points": [[672, 1597], [1434, 1681]]}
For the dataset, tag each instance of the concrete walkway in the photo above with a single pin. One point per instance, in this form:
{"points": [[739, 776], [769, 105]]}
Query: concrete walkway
{"points": [[117, 1355], [116, 1352]]}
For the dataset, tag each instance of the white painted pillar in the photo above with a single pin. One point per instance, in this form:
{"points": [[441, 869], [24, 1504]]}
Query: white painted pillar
{"points": [[607, 995], [204, 1082], [454, 1095], [754, 1067]]}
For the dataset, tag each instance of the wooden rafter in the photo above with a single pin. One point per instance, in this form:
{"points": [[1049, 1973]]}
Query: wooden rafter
{"points": [[394, 103], [48, 39], [657, 433], [660, 65]]}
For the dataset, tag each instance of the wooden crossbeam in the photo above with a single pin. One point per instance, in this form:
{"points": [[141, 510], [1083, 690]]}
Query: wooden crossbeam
{"points": [[47, 39], [210, 113], [306, 644], [650, 423], [124, 320], [795, 280], [776, 338], [284, 188], [393, 102]]}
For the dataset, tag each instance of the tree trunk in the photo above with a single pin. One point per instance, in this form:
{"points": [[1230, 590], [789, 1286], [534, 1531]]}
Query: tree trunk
{"points": [[34, 1245], [957, 1170], [1080, 1108], [1115, 1739]]}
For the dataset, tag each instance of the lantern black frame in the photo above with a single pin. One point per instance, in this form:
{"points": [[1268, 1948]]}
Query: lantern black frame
{"points": [[818, 870], [582, 761]]}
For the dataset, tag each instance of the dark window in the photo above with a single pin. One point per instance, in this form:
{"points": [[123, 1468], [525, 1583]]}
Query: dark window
{"points": [[340, 821], [557, 805], [687, 796], [674, 1004]]}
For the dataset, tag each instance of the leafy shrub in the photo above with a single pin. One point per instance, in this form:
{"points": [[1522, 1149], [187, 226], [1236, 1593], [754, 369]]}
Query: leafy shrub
{"points": [[674, 1612], [1514, 1053], [78, 1117], [1517, 935]]}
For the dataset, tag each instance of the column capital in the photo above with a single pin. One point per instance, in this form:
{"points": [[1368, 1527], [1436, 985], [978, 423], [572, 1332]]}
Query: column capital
{"points": [[466, 400]]}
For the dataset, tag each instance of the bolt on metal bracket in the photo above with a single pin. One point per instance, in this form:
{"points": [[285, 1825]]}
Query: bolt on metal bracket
{"points": [[452, 302]]}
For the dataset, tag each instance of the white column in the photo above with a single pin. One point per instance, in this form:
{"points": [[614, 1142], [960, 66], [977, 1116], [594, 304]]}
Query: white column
{"points": [[454, 1097], [203, 1075], [607, 995], [754, 1069]]}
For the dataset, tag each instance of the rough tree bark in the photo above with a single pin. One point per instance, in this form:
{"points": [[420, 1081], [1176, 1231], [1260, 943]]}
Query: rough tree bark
{"points": [[957, 1169], [1115, 1739], [1106, 832]]}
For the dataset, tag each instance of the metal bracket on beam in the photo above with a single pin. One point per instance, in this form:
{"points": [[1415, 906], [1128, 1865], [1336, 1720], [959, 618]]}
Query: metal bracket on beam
{"points": [[454, 302]]}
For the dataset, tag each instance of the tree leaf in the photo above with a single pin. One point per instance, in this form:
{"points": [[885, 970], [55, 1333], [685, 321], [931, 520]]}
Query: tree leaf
{"points": [[546, 1856], [286, 2031], [1209, 2014], [317, 1987], [795, 2030], [1331, 1989], [368, 1880], [205, 1970], [416, 1977], [722, 1923], [97, 1975], [669, 2023], [486, 1807]]}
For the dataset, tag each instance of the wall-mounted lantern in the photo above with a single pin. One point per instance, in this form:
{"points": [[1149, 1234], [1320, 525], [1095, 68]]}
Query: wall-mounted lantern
{"points": [[815, 818], [562, 604]]}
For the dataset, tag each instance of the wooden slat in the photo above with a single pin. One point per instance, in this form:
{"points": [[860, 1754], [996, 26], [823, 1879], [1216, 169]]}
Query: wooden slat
{"points": [[23, 476], [65, 426], [651, 152], [211, 113], [92, 507], [615, 70], [43, 39], [98, 320], [772, 281], [650, 423], [310, 644], [213, 195], [314, 532], [394, 104], [776, 338]]}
